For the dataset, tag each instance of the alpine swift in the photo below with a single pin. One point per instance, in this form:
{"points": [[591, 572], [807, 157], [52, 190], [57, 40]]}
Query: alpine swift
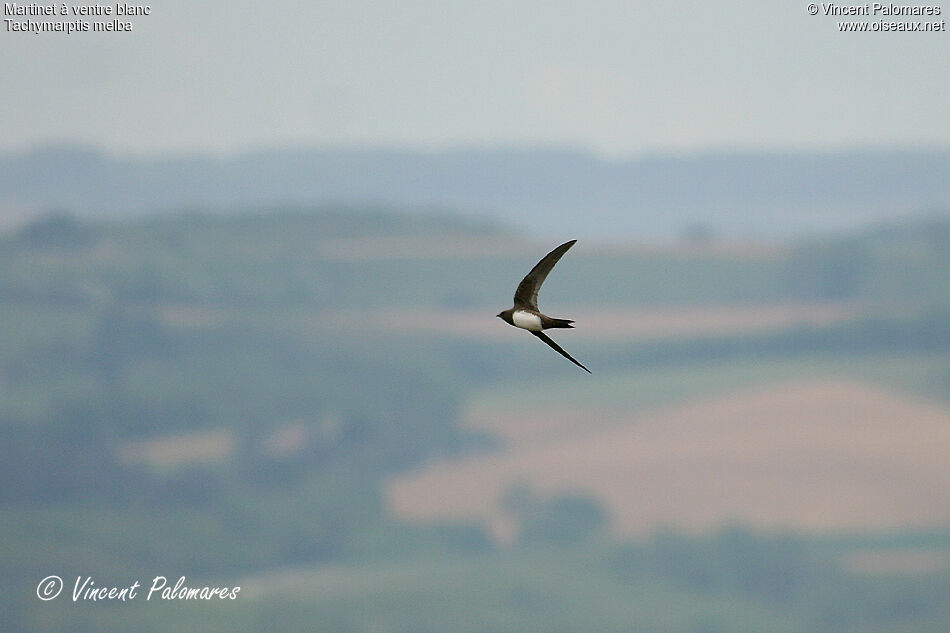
{"points": [[525, 313]]}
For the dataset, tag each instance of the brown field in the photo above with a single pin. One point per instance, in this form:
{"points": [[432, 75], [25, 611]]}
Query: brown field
{"points": [[600, 324], [464, 246], [178, 450], [467, 246], [198, 447], [909, 561], [607, 323], [815, 456]]}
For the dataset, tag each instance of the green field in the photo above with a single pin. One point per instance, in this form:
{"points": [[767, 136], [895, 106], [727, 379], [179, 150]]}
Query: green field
{"points": [[732, 581], [920, 373]]}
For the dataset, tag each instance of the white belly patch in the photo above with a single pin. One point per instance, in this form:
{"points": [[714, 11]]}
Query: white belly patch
{"points": [[526, 320]]}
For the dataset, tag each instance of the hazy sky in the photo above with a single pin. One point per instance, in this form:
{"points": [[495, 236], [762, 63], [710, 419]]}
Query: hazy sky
{"points": [[616, 77]]}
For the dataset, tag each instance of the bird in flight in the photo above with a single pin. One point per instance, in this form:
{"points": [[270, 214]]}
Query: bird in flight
{"points": [[525, 313]]}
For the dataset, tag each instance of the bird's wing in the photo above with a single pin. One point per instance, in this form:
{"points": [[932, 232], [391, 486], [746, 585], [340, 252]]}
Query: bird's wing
{"points": [[557, 348], [526, 296]]}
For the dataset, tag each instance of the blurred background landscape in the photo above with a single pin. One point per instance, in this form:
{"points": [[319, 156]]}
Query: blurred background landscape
{"points": [[318, 404], [249, 266]]}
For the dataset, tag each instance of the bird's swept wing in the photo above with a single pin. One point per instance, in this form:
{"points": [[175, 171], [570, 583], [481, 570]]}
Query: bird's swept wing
{"points": [[526, 296], [557, 348]]}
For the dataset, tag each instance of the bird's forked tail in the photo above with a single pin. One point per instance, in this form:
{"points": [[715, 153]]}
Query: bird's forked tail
{"points": [[555, 323]]}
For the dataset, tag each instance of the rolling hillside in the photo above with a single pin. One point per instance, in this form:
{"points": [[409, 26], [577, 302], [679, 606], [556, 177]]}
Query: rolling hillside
{"points": [[828, 456]]}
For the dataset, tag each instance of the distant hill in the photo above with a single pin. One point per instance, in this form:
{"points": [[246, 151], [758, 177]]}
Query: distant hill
{"points": [[545, 192]]}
